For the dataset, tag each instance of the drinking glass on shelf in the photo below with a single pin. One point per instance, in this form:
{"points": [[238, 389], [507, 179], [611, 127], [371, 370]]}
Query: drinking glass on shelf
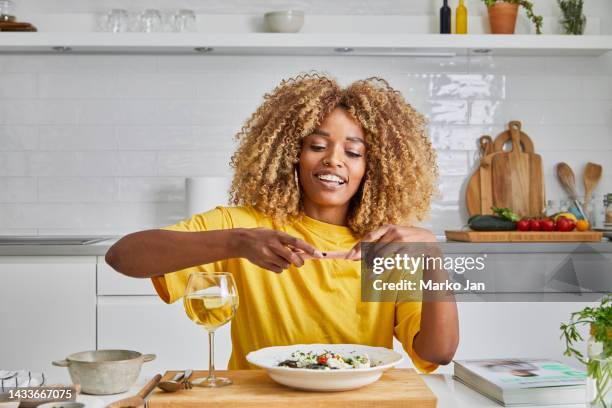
{"points": [[7, 10], [115, 21], [183, 20], [150, 21], [211, 300]]}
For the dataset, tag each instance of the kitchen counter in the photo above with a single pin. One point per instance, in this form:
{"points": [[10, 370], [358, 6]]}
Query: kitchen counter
{"points": [[450, 394], [100, 249]]}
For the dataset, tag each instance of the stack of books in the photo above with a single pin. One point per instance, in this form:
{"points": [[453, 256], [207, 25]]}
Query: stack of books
{"points": [[523, 381]]}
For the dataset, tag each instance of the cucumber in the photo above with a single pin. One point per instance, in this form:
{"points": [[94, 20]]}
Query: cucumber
{"points": [[490, 223]]}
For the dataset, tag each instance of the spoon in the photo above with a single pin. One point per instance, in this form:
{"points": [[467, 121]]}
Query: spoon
{"points": [[568, 181], [591, 177], [174, 384], [137, 400]]}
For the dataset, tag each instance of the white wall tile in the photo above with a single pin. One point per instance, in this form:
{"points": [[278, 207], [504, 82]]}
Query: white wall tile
{"points": [[89, 164], [175, 137], [452, 163], [40, 112], [597, 87], [450, 112], [18, 138], [553, 87], [196, 163], [444, 137], [17, 189], [76, 85], [77, 138], [91, 215], [13, 164], [76, 189], [16, 86], [468, 86], [78, 63], [144, 85], [415, 65], [151, 189]]}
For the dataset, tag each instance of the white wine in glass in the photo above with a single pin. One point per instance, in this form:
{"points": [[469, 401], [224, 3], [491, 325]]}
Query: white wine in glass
{"points": [[211, 300]]}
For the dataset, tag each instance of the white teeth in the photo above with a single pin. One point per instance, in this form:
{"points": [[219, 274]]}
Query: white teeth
{"points": [[330, 177]]}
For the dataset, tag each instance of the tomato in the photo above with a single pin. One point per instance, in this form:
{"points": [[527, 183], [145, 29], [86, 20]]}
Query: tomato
{"points": [[322, 360], [535, 225], [564, 224], [547, 224], [523, 225]]}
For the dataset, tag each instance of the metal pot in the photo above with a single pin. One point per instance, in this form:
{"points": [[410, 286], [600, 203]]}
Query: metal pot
{"points": [[104, 372]]}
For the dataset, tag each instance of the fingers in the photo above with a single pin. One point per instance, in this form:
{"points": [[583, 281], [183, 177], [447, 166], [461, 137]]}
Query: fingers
{"points": [[294, 242], [271, 267], [355, 252], [288, 255]]}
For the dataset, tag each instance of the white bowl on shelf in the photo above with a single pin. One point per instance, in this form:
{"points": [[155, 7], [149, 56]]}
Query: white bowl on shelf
{"points": [[324, 380], [284, 21]]}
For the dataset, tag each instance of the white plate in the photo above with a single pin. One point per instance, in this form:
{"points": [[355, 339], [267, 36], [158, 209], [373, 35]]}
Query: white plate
{"points": [[324, 380]]}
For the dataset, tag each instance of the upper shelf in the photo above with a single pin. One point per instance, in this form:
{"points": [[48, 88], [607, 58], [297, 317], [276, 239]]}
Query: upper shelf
{"points": [[416, 45]]}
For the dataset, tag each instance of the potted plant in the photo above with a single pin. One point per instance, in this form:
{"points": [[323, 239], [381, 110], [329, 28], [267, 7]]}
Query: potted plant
{"points": [[502, 15], [573, 20], [599, 349]]}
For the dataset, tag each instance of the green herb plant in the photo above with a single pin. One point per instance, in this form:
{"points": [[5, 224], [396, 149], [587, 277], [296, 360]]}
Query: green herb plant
{"points": [[573, 20], [599, 369], [506, 214], [528, 6]]}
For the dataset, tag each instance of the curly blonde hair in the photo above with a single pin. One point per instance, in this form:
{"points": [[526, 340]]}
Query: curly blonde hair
{"points": [[401, 169]]}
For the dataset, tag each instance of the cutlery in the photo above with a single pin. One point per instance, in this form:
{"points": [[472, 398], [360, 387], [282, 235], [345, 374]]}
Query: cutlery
{"points": [[186, 383], [568, 181], [174, 384], [138, 400], [591, 177]]}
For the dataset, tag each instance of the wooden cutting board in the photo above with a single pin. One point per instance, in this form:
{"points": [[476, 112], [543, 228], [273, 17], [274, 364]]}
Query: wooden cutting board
{"points": [[517, 176], [478, 195], [524, 236], [397, 388]]}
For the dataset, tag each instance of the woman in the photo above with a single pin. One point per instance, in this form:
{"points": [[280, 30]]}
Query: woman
{"points": [[319, 169]]}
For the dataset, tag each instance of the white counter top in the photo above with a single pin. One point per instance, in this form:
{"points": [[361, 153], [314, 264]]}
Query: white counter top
{"points": [[450, 394]]}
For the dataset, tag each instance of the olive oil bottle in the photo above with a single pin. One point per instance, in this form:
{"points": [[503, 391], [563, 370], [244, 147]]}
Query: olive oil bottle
{"points": [[445, 19], [461, 19]]}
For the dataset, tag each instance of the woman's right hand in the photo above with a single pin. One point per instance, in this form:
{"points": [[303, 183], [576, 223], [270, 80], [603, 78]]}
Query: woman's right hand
{"points": [[271, 249]]}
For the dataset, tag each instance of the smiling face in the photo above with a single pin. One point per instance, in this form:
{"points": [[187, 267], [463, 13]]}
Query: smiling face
{"points": [[332, 162]]}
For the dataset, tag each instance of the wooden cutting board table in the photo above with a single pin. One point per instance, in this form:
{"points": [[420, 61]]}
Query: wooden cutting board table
{"points": [[397, 388], [524, 236]]}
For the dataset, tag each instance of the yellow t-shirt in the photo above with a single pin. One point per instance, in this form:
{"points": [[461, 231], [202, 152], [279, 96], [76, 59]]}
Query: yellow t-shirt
{"points": [[317, 303]]}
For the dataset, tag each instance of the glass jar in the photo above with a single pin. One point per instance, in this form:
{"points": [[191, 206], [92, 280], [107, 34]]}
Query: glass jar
{"points": [[599, 370], [7, 10], [608, 205]]}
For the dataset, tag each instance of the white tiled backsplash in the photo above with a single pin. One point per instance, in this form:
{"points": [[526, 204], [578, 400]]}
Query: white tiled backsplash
{"points": [[102, 143]]}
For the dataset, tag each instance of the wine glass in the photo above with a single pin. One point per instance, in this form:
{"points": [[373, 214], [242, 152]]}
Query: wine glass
{"points": [[211, 300]]}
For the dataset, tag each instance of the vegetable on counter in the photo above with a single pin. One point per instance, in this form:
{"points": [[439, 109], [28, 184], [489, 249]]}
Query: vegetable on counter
{"points": [[506, 213], [490, 223]]}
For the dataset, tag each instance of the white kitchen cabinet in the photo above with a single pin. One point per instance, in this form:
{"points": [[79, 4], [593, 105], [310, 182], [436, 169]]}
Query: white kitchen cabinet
{"points": [[47, 310], [148, 325]]}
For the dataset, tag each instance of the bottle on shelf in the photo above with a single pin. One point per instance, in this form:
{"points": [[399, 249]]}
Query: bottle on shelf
{"points": [[461, 19], [445, 19]]}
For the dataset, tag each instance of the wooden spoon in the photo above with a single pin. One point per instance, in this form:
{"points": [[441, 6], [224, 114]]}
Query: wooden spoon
{"points": [[591, 177], [138, 400], [568, 181]]}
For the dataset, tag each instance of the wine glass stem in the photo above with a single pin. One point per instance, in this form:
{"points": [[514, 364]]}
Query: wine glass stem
{"points": [[211, 355]]}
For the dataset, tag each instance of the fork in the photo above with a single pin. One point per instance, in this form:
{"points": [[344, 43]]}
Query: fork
{"points": [[185, 381]]}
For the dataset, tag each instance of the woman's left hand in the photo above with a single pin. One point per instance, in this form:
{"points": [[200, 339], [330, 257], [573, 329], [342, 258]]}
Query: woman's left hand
{"points": [[391, 233]]}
